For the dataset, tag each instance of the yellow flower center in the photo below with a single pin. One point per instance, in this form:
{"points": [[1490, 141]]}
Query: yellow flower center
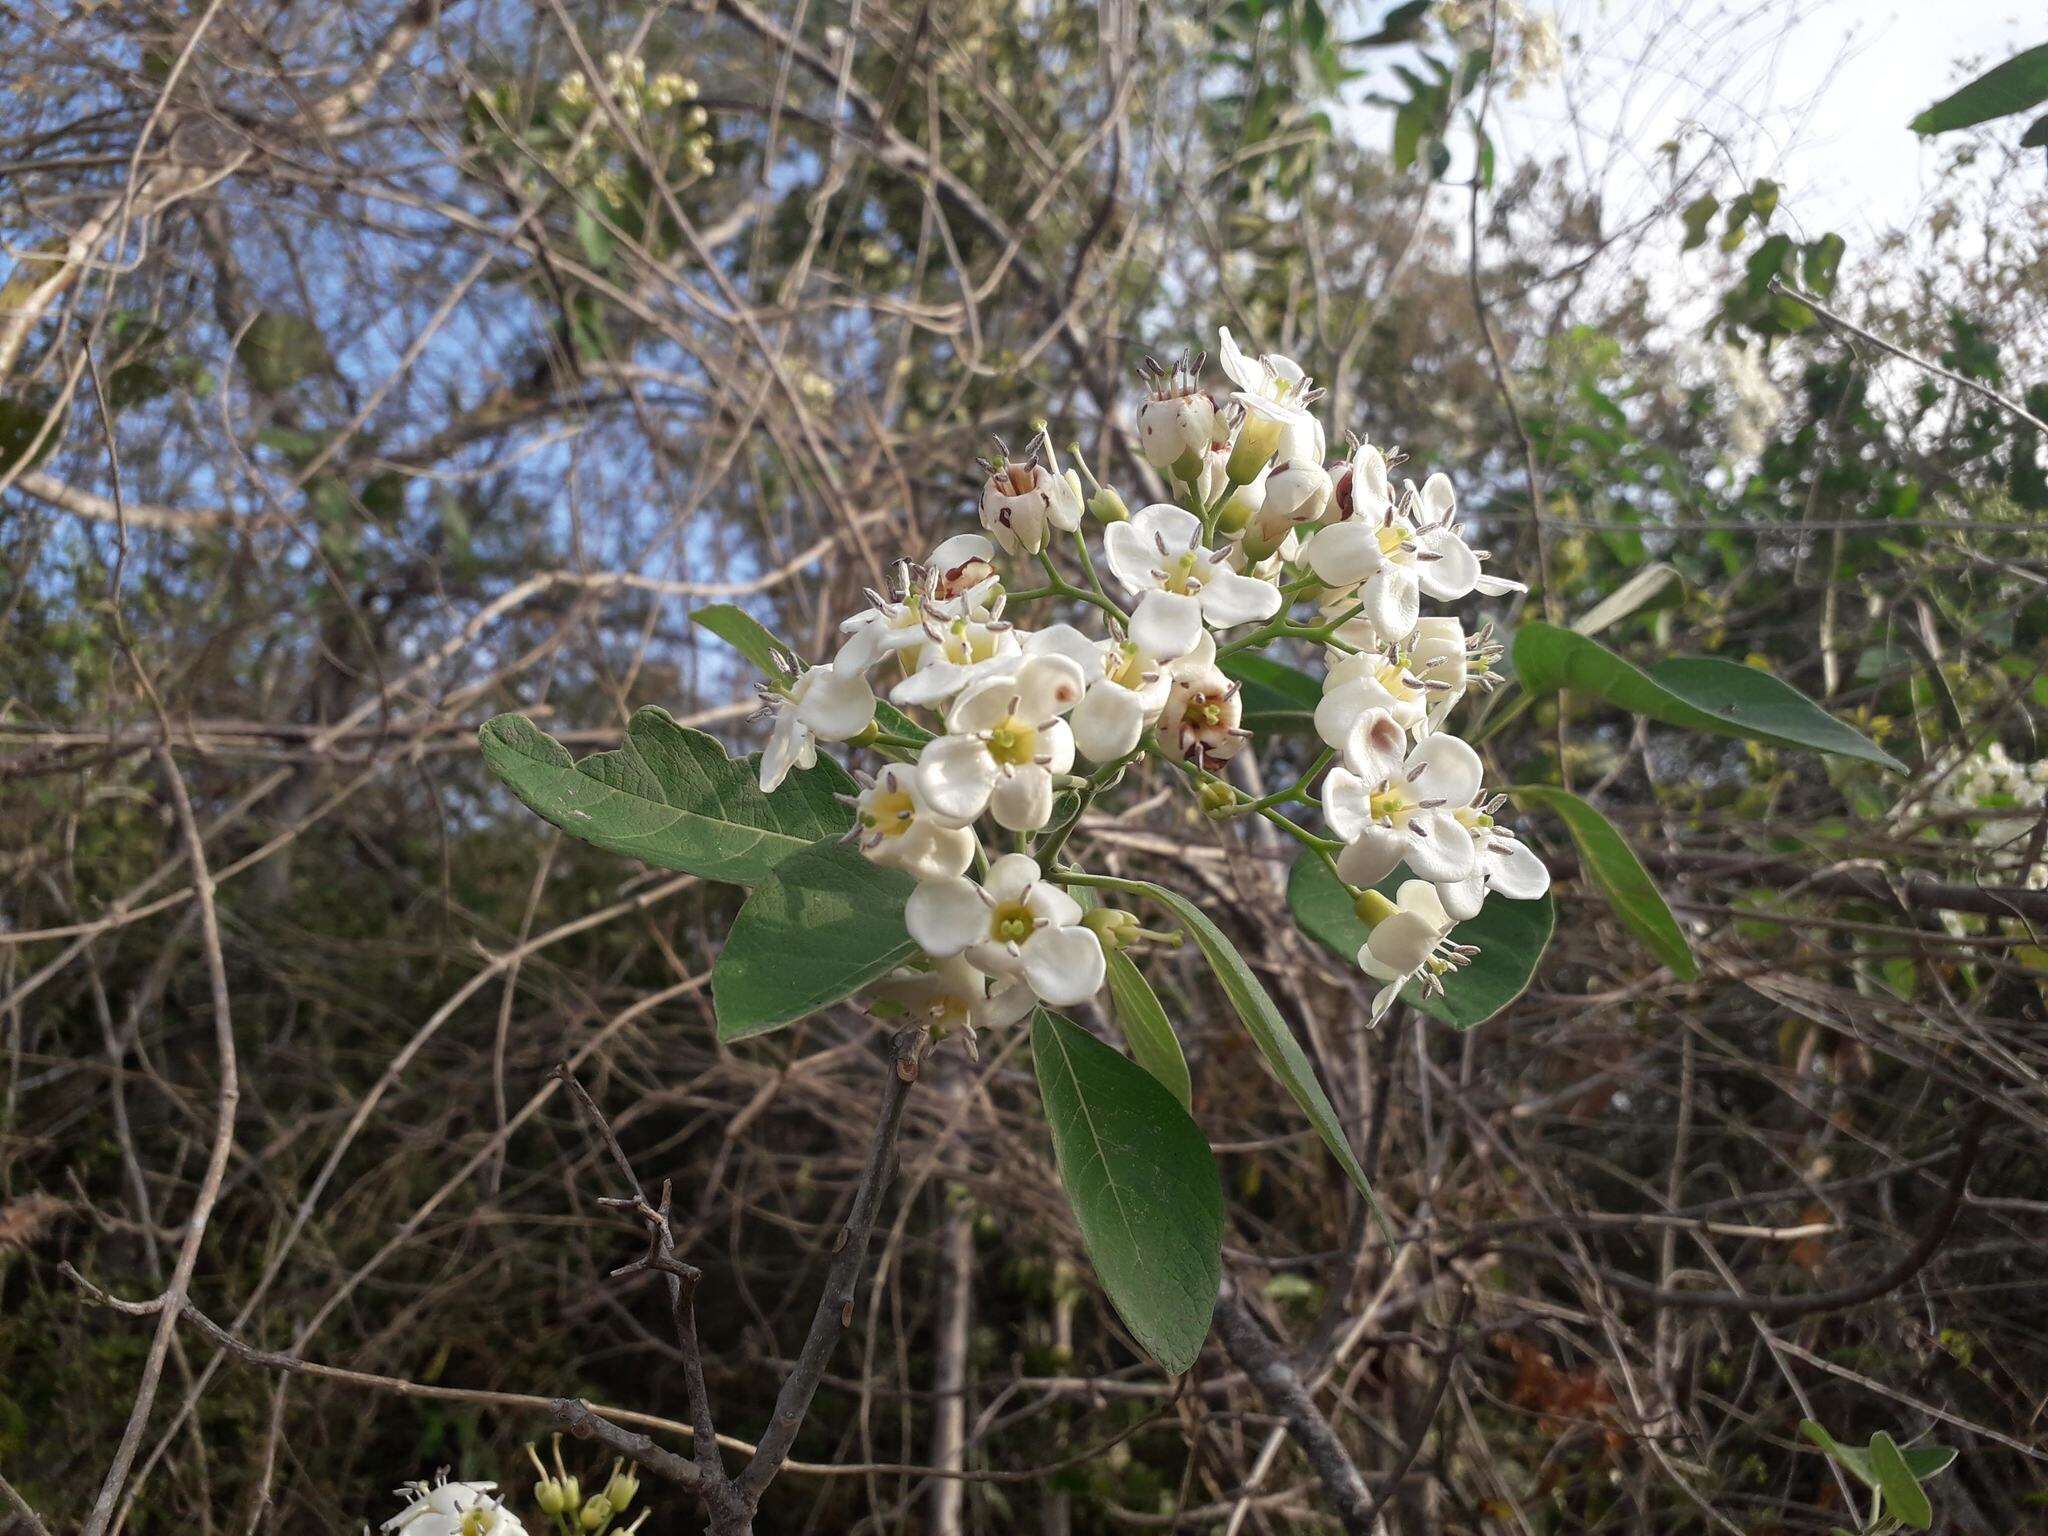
{"points": [[1392, 537], [1013, 742], [1011, 923], [1391, 804], [1180, 574], [889, 813], [1129, 671]]}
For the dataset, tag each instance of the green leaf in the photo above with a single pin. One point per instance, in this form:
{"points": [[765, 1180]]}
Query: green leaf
{"points": [[1261, 1019], [1925, 1461], [1848, 1455], [279, 349], [1820, 261], [744, 633], [2017, 84], [1511, 936], [1278, 699], [1903, 1495], [2036, 135], [597, 242], [21, 423], [670, 796], [1154, 1046], [1606, 857], [826, 923], [1699, 213], [1143, 1184], [1719, 697]]}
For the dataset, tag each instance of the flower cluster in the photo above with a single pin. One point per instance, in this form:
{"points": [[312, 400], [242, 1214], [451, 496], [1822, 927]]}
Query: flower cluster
{"points": [[2006, 800], [999, 735], [444, 1508]]}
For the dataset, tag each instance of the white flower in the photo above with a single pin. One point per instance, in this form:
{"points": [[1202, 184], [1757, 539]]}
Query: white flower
{"points": [[896, 827], [1370, 680], [952, 653], [1387, 813], [1501, 862], [453, 1509], [1180, 586], [1295, 493], [1129, 694], [825, 702], [1396, 555], [954, 996], [1005, 740], [1439, 659], [960, 572], [1020, 500], [1274, 389], [1201, 722], [1411, 940], [1177, 418], [1014, 924]]}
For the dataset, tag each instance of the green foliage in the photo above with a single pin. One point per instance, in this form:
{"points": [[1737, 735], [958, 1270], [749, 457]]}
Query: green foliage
{"points": [[1699, 693], [2019, 83], [1143, 1185], [1605, 856], [1511, 936], [1893, 1473], [826, 923], [1255, 1009], [745, 634], [1277, 699], [670, 796], [1147, 1031], [279, 349]]}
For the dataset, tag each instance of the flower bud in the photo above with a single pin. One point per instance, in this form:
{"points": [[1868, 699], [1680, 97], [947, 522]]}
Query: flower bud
{"points": [[623, 1488], [1105, 506], [1373, 908], [548, 1494], [1112, 928], [1257, 441], [1177, 418], [596, 1513], [1215, 797], [1236, 512]]}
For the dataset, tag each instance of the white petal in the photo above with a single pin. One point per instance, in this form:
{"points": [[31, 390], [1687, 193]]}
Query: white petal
{"points": [[1022, 800], [1403, 941], [1439, 500], [1050, 904], [1439, 848], [1164, 524], [1464, 898], [955, 775], [1347, 803], [1497, 586], [930, 850], [960, 549], [1238, 368], [1345, 553], [1372, 856], [1383, 999], [836, 705], [996, 959], [1420, 896], [1132, 557], [1450, 770], [945, 915], [1517, 874], [1108, 722], [1369, 491], [1228, 599], [1390, 601], [1063, 965], [1006, 1005], [789, 746], [1374, 747], [1063, 503], [1349, 701], [1065, 640], [1047, 687], [865, 644], [1010, 877], [1455, 570], [1056, 747], [1166, 624], [985, 702]]}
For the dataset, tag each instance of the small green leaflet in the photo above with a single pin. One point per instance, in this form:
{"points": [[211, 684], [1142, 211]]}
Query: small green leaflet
{"points": [[669, 796], [1154, 1046], [1612, 865], [743, 632], [1903, 1495], [1143, 1185], [1511, 936], [1700, 693], [825, 924]]}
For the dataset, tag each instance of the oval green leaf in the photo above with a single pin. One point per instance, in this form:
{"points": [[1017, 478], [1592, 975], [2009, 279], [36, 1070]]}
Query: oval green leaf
{"points": [[1903, 1495], [1699, 693], [1154, 1046], [1511, 936], [1262, 1020], [2017, 84], [826, 923], [1143, 1185], [745, 634], [669, 796], [1612, 865]]}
